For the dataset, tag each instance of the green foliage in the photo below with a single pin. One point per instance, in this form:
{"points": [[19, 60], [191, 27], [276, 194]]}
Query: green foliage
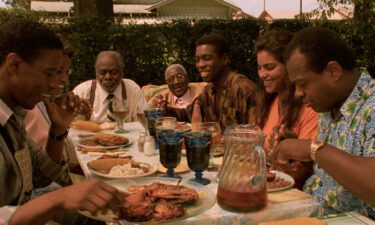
{"points": [[148, 49]]}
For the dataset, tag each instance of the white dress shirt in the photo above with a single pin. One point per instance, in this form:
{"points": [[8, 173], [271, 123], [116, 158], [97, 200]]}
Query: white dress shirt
{"points": [[136, 99]]}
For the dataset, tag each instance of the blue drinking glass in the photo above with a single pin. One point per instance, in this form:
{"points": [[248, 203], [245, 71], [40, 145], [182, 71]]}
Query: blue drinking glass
{"points": [[152, 114], [170, 143], [198, 145]]}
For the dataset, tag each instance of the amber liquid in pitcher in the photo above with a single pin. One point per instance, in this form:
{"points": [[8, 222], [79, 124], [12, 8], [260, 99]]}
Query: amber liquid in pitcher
{"points": [[242, 201]]}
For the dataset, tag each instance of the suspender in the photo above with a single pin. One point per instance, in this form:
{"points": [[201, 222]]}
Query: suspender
{"points": [[93, 89]]}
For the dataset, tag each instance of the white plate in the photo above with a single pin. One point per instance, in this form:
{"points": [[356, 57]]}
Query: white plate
{"points": [[207, 198], [285, 177], [152, 169], [102, 146]]}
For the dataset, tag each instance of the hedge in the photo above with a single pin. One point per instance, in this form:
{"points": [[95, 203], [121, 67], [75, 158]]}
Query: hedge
{"points": [[148, 49]]}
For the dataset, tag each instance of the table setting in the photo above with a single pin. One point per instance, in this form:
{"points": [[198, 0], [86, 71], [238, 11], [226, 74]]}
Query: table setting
{"points": [[189, 170]]}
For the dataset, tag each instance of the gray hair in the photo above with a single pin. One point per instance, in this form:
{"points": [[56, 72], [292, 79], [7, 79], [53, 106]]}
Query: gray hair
{"points": [[175, 66], [112, 53]]}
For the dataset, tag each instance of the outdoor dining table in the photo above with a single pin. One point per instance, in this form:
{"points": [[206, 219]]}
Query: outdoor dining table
{"points": [[215, 215]]}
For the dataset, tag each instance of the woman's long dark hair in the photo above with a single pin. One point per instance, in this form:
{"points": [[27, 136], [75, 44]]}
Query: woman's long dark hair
{"points": [[274, 42]]}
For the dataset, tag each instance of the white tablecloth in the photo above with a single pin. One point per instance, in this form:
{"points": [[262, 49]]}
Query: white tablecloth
{"points": [[215, 215]]}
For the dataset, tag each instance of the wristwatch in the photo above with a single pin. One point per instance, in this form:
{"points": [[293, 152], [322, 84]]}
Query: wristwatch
{"points": [[316, 144], [58, 137]]}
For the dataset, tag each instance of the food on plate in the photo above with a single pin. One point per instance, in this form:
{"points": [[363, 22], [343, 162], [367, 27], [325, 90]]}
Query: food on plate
{"points": [[183, 127], [181, 123], [106, 154], [108, 125], [85, 125], [118, 166], [129, 169], [85, 135], [296, 221], [85, 150], [182, 167], [110, 139], [156, 202], [278, 182], [89, 142], [106, 164], [271, 176]]}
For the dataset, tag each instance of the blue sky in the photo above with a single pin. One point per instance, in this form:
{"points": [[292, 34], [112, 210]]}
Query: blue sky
{"points": [[255, 7]]}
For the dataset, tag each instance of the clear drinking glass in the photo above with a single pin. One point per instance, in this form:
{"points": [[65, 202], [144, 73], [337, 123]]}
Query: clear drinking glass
{"points": [[215, 130], [121, 111]]}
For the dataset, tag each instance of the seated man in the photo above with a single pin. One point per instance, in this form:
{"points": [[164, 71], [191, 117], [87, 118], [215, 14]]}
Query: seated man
{"points": [[179, 93], [30, 55], [229, 97], [110, 86], [322, 66]]}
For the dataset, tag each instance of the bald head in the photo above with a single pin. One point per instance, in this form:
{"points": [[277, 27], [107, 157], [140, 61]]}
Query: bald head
{"points": [[109, 70]]}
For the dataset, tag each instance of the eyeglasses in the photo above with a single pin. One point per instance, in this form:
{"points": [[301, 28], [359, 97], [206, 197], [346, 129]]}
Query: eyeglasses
{"points": [[111, 72], [179, 77]]}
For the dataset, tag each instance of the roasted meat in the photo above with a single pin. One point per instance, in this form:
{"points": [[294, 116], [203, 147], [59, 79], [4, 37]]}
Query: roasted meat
{"points": [[166, 211], [164, 201]]}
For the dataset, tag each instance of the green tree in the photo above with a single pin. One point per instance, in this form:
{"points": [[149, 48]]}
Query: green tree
{"points": [[22, 4], [94, 8]]}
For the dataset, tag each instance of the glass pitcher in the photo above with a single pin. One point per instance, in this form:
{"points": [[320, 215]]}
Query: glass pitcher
{"points": [[242, 179]]}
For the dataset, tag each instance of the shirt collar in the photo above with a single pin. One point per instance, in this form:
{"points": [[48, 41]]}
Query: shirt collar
{"points": [[358, 93], [102, 94], [185, 97], [6, 112]]}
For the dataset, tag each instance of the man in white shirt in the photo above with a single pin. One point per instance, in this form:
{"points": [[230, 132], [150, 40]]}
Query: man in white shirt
{"points": [[179, 93], [110, 86]]}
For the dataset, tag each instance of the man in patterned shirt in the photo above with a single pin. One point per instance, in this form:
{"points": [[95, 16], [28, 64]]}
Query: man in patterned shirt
{"points": [[229, 97], [322, 66]]}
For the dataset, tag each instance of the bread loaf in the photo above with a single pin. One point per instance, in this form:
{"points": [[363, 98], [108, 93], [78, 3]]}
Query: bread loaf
{"points": [[85, 125]]}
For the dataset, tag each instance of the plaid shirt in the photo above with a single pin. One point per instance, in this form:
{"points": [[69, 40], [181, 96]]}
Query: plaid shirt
{"points": [[44, 169], [232, 103], [353, 131]]}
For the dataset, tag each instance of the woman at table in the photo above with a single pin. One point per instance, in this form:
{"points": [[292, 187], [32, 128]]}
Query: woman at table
{"points": [[280, 113]]}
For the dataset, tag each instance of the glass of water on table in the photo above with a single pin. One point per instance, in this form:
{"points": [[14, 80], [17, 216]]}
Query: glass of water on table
{"points": [[121, 111]]}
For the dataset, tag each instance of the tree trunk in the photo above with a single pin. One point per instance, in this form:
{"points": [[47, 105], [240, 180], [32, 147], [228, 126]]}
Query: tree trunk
{"points": [[94, 8]]}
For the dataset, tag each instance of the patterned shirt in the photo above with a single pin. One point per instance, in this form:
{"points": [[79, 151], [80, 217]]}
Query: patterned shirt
{"points": [[353, 131], [232, 103], [44, 169]]}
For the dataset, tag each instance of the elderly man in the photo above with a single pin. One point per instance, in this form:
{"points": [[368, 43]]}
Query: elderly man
{"points": [[322, 67], [179, 93], [30, 55], [110, 86], [229, 97]]}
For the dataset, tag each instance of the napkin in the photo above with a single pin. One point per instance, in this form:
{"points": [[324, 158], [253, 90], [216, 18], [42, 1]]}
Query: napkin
{"points": [[287, 196]]}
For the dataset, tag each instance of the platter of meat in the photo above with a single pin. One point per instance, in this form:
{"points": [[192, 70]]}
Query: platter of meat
{"points": [[104, 141], [158, 199], [278, 181]]}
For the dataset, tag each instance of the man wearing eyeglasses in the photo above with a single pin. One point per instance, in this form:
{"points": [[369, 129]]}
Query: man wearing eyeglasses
{"points": [[179, 93], [110, 86]]}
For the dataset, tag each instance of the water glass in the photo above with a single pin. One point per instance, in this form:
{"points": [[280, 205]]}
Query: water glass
{"points": [[121, 111]]}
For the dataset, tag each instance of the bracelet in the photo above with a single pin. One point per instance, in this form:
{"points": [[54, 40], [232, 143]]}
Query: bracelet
{"points": [[60, 137]]}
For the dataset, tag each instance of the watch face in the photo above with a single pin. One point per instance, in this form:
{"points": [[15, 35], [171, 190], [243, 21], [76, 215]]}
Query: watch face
{"points": [[317, 143]]}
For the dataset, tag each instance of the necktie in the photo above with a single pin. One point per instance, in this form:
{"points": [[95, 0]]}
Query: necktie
{"points": [[110, 114]]}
